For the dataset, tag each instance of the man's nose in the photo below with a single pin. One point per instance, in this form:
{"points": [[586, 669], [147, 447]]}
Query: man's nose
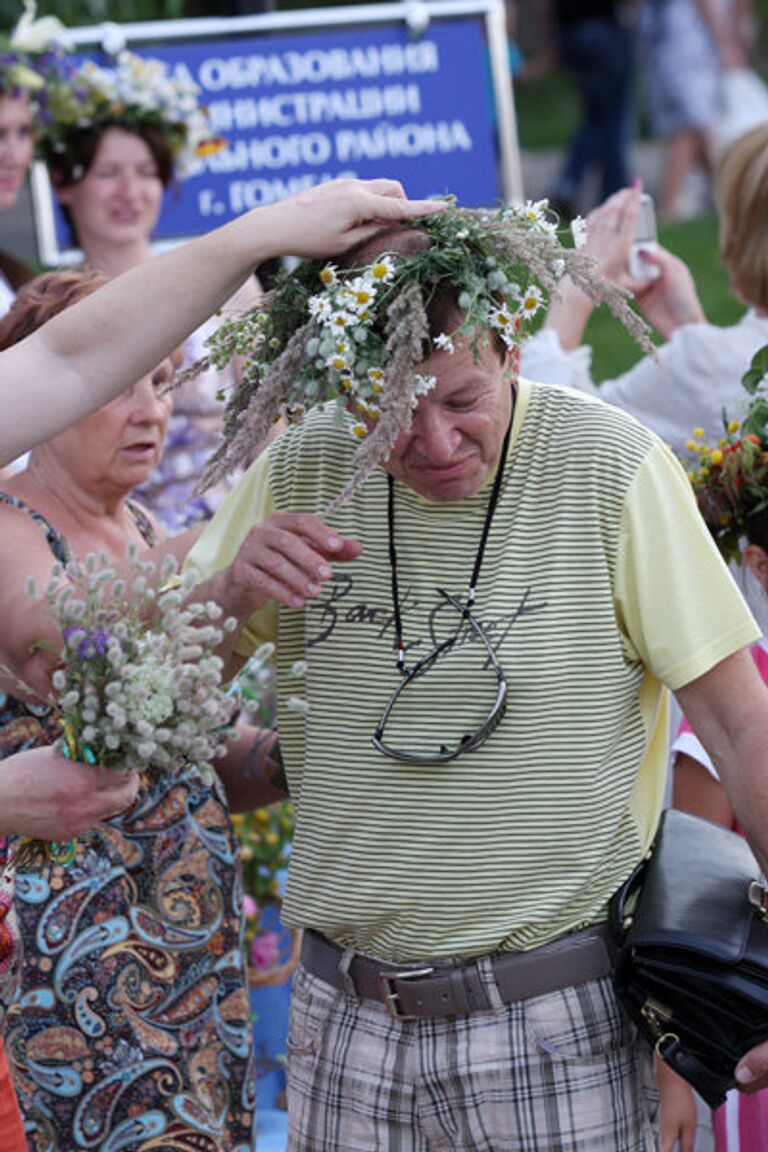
{"points": [[437, 435], [148, 406]]}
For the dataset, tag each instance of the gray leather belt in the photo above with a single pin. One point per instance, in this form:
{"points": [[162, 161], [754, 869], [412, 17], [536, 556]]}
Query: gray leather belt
{"points": [[442, 988]]}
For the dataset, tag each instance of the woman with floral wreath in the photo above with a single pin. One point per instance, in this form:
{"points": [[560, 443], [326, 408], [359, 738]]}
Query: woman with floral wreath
{"points": [[111, 158]]}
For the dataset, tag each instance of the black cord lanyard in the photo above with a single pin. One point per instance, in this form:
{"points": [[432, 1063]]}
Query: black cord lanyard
{"points": [[471, 591]]}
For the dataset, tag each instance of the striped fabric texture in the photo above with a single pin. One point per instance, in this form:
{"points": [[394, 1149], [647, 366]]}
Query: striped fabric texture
{"points": [[585, 594]]}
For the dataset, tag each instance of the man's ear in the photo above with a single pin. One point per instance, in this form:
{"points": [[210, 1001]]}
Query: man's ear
{"points": [[512, 363], [756, 559]]}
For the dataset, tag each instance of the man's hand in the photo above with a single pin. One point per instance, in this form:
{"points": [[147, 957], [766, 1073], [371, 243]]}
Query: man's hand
{"points": [[287, 558], [47, 797]]}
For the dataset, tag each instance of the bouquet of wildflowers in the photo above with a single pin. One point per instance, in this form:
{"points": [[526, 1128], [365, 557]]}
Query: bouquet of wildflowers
{"points": [[730, 480], [139, 686]]}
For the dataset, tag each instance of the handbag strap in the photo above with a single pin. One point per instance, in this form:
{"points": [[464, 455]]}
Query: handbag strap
{"points": [[711, 1087]]}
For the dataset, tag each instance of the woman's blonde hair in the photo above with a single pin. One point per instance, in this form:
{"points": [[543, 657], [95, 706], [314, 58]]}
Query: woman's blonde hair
{"points": [[741, 191]]}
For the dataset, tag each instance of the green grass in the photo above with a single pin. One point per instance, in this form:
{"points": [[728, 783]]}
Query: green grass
{"points": [[695, 241]]}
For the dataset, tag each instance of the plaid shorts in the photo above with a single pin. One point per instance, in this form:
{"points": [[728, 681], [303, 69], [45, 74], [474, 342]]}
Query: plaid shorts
{"points": [[564, 1072]]}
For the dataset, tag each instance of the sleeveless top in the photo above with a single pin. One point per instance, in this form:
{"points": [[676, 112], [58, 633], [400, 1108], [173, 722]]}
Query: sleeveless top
{"points": [[130, 1026]]}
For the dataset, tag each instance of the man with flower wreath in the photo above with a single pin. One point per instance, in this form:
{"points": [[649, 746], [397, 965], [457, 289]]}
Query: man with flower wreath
{"points": [[488, 623]]}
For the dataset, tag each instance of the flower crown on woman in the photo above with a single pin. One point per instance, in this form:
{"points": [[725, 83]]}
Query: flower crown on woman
{"points": [[358, 334], [27, 53], [133, 93], [731, 480]]}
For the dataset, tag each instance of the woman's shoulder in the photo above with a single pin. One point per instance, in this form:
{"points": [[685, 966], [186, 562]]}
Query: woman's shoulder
{"points": [[30, 529]]}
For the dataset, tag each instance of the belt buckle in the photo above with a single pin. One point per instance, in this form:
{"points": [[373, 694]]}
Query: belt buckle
{"points": [[392, 996]]}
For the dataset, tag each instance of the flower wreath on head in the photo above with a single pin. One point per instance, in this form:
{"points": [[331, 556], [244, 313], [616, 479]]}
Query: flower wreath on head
{"points": [[358, 335], [730, 481], [27, 54], [132, 93]]}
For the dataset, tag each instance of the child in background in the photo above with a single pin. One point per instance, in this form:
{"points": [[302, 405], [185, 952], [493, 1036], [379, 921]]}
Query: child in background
{"points": [[731, 483]]}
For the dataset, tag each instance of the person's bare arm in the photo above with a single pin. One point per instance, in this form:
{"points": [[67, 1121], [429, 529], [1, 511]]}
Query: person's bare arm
{"points": [[252, 769], [29, 639], [87, 355], [694, 789], [728, 710]]}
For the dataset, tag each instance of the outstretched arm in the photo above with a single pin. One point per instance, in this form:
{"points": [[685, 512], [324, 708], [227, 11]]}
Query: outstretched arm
{"points": [[86, 356]]}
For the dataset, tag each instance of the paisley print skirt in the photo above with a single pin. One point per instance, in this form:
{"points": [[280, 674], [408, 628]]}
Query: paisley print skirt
{"points": [[131, 1028]]}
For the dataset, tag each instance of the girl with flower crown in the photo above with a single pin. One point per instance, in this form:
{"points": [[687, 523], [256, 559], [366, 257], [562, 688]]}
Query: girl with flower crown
{"points": [[114, 139]]}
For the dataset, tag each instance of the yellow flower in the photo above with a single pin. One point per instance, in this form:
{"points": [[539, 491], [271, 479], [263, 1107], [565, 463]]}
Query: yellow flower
{"points": [[733, 425], [691, 445], [383, 269], [716, 457], [698, 433], [328, 275]]}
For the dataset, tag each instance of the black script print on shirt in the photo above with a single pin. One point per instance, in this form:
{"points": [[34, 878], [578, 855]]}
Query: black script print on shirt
{"points": [[338, 605]]}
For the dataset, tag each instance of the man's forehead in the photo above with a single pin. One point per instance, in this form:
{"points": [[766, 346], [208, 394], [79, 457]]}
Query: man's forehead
{"points": [[463, 371]]}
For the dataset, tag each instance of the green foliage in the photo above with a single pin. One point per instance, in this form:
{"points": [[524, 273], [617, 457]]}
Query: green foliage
{"points": [[80, 12], [265, 842], [755, 375]]}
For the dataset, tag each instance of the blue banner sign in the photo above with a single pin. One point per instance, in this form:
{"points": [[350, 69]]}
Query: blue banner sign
{"points": [[300, 108]]}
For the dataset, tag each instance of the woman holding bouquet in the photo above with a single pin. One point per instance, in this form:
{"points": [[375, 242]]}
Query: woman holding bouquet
{"points": [[132, 1018]]}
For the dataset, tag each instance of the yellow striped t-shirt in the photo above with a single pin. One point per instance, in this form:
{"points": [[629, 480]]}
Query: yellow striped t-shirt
{"points": [[599, 583]]}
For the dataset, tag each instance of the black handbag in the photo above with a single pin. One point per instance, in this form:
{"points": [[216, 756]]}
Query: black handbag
{"points": [[691, 931]]}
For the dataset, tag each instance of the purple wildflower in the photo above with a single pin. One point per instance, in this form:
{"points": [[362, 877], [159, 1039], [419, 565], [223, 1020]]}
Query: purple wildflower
{"points": [[93, 641]]}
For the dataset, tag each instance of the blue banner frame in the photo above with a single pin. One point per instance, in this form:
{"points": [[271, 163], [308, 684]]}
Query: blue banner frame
{"points": [[297, 108]]}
